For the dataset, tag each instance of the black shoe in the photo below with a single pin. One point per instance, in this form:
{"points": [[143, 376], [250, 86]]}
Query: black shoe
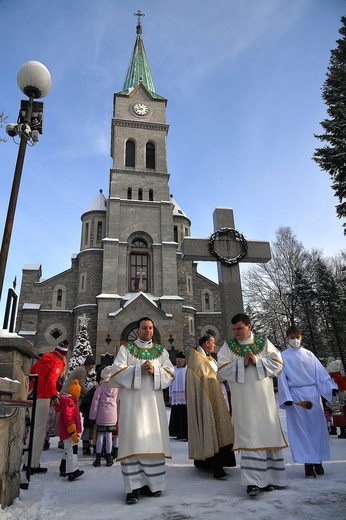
{"points": [[253, 491], [38, 470], [109, 460], [146, 491], [62, 468], [97, 461], [220, 474], [132, 498], [268, 488], [341, 436], [319, 470], [309, 471], [75, 474], [46, 446]]}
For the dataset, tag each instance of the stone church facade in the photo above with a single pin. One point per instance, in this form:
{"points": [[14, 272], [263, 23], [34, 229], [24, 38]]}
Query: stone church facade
{"points": [[129, 264]]}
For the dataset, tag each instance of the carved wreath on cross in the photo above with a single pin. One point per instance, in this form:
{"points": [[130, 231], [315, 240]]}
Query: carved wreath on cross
{"points": [[236, 237]]}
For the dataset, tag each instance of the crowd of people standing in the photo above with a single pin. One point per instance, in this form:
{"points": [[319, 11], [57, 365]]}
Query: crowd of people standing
{"points": [[222, 405]]}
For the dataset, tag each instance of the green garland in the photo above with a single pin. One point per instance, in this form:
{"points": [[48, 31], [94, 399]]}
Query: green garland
{"points": [[144, 353], [240, 350]]}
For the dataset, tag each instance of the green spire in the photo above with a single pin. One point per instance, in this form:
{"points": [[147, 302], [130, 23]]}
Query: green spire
{"points": [[139, 70]]}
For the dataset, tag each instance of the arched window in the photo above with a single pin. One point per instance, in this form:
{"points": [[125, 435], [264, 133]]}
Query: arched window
{"points": [[140, 194], [150, 156], [151, 194], [129, 193], [59, 297], [99, 231], [130, 153], [86, 233], [139, 242], [175, 234], [139, 266], [207, 301]]}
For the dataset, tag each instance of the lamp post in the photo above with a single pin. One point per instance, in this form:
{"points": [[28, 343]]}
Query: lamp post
{"points": [[34, 80]]}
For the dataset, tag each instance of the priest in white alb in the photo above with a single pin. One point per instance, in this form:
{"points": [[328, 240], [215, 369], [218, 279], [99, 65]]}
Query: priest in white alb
{"points": [[142, 370], [249, 362]]}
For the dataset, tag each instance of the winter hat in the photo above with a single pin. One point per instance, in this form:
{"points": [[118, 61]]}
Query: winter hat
{"points": [[106, 374], [62, 347], [89, 360], [334, 366], [180, 355], [74, 389]]}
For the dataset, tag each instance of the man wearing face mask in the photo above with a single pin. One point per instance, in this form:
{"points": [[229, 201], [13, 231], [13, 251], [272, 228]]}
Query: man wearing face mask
{"points": [[304, 378]]}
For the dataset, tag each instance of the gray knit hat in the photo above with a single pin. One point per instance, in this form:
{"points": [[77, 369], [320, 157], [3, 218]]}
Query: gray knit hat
{"points": [[334, 366]]}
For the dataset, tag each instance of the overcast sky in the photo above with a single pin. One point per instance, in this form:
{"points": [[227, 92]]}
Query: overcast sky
{"points": [[243, 81]]}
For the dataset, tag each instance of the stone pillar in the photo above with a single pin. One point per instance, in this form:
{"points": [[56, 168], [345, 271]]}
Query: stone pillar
{"points": [[16, 354]]}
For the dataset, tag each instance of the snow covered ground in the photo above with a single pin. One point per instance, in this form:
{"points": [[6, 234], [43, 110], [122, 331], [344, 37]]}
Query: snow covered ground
{"points": [[190, 493]]}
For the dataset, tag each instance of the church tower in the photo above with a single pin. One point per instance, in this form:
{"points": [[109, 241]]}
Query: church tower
{"points": [[139, 251]]}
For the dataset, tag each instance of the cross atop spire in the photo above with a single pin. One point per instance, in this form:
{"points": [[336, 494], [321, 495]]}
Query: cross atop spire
{"points": [[139, 25], [139, 14]]}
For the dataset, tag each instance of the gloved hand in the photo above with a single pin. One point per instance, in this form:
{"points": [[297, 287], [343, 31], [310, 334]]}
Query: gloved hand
{"points": [[335, 392], [54, 400], [288, 403], [73, 433]]}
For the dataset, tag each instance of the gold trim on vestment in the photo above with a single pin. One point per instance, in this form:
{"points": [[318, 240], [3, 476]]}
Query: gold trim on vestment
{"points": [[144, 455]]}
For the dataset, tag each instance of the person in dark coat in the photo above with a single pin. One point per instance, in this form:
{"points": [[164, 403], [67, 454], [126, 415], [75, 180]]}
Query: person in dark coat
{"points": [[178, 417]]}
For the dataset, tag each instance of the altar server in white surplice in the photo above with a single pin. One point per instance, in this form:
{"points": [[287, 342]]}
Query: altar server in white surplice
{"points": [[249, 362], [142, 370], [304, 378]]}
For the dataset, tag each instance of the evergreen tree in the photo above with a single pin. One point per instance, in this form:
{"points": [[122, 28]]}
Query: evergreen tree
{"points": [[332, 157], [331, 302], [81, 350]]}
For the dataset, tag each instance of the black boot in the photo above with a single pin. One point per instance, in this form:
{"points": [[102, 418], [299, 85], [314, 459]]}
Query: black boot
{"points": [[62, 468], [342, 432], [97, 461], [109, 459], [76, 474], [115, 453]]}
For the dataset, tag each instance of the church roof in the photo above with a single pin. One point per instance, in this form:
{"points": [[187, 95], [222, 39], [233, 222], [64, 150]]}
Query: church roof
{"points": [[99, 203], [139, 70], [177, 211]]}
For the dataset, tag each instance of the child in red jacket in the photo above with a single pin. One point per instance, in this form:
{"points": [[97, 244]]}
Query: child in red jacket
{"points": [[69, 428]]}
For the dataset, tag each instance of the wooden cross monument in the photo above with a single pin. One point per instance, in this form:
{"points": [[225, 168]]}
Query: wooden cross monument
{"points": [[228, 247]]}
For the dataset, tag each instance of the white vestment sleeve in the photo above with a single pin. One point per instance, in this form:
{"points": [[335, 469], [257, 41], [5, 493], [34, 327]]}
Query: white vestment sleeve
{"points": [[230, 367], [164, 374], [123, 374], [270, 364]]}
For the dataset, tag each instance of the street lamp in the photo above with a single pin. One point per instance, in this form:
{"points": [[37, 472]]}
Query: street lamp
{"points": [[34, 80]]}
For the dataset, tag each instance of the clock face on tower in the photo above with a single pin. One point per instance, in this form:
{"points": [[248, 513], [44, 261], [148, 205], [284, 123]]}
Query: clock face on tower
{"points": [[140, 109]]}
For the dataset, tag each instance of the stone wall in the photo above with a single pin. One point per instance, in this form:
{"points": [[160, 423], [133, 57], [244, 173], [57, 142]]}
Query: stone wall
{"points": [[16, 354]]}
